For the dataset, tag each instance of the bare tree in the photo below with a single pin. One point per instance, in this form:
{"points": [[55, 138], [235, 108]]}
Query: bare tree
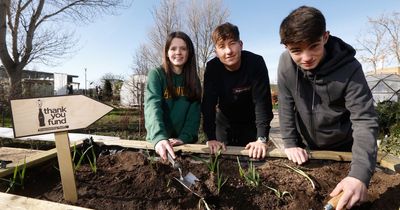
{"points": [[30, 30], [199, 18], [373, 46], [166, 20], [391, 23], [203, 17], [143, 60]]}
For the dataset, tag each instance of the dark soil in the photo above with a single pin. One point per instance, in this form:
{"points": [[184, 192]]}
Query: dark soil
{"points": [[132, 179]]}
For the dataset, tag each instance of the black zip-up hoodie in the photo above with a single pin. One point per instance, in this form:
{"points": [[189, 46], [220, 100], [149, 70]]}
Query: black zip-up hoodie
{"points": [[330, 107]]}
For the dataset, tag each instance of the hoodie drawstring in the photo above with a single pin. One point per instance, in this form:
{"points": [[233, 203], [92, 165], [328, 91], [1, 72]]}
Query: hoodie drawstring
{"points": [[313, 96]]}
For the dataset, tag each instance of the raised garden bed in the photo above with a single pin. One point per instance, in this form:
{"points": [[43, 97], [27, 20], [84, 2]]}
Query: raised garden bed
{"points": [[134, 179]]}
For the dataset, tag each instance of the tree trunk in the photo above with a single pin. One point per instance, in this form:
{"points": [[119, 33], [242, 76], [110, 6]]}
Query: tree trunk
{"points": [[15, 80]]}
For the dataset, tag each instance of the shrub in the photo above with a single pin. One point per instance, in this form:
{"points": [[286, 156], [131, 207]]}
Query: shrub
{"points": [[388, 115]]}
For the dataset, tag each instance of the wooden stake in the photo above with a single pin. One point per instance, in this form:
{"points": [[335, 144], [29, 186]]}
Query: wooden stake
{"points": [[66, 167]]}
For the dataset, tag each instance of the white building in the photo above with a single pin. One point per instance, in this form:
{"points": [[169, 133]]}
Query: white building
{"points": [[132, 91]]}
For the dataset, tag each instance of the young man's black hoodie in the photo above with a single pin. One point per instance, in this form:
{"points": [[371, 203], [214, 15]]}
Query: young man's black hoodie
{"points": [[330, 107]]}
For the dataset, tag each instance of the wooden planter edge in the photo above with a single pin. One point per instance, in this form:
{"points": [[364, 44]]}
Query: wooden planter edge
{"points": [[10, 201], [385, 160]]}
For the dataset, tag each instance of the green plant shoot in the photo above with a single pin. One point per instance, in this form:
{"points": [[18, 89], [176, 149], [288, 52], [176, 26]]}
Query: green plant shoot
{"points": [[251, 176], [278, 193], [299, 171], [220, 180]]}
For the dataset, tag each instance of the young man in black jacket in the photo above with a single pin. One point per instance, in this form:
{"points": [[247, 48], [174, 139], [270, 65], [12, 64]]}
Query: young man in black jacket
{"points": [[324, 101], [236, 103]]}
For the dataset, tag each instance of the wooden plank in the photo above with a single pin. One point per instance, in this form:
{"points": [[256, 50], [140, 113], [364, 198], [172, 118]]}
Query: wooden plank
{"points": [[12, 202], [389, 161], [66, 167], [231, 150], [385, 160], [33, 160], [30, 161], [16, 154]]}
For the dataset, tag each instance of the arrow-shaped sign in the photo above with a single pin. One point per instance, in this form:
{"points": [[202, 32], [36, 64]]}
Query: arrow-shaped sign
{"points": [[57, 115], [54, 114]]}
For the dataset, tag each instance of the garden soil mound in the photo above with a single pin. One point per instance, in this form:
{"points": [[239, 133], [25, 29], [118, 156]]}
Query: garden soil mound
{"points": [[135, 179]]}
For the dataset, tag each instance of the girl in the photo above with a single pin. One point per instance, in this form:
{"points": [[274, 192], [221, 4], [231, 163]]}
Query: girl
{"points": [[172, 100]]}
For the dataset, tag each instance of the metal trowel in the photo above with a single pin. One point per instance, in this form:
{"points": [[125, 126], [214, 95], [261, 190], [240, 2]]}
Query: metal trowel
{"points": [[188, 180]]}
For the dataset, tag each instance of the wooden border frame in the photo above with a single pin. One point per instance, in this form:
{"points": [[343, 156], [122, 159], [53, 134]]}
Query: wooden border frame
{"points": [[10, 201]]}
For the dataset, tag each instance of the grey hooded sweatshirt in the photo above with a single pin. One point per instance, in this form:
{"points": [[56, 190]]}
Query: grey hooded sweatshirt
{"points": [[329, 107]]}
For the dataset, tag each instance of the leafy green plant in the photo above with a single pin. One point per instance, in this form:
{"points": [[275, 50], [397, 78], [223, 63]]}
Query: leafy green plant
{"points": [[299, 171], [278, 193], [17, 178], [251, 175], [391, 144], [388, 115]]}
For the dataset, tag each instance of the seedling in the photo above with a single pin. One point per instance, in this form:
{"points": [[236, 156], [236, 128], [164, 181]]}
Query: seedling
{"points": [[279, 194], [151, 157], [251, 176], [220, 180], [92, 161], [17, 178], [212, 163], [93, 164], [299, 171]]}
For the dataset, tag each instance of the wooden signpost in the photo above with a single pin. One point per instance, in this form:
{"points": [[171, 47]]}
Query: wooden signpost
{"points": [[57, 115]]}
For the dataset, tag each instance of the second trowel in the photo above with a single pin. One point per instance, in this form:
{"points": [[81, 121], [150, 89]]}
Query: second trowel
{"points": [[188, 180]]}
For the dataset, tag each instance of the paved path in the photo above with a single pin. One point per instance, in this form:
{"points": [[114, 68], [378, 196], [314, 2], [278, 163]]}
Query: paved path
{"points": [[274, 133]]}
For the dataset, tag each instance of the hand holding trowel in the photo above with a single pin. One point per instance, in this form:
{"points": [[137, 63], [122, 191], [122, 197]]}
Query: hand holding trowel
{"points": [[188, 180]]}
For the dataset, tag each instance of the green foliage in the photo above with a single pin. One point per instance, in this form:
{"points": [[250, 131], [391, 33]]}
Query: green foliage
{"points": [[251, 175], [299, 171], [389, 126], [391, 144], [388, 115], [5, 115], [108, 92], [17, 178], [121, 122]]}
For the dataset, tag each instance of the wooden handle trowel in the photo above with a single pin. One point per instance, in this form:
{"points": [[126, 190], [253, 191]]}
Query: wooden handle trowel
{"points": [[332, 203]]}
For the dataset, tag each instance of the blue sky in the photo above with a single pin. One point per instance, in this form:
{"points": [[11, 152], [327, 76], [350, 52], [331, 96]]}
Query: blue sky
{"points": [[109, 43]]}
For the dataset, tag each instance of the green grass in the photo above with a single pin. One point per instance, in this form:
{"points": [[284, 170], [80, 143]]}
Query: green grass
{"points": [[6, 121]]}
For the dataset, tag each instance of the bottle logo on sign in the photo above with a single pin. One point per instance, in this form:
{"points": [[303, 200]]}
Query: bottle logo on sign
{"points": [[56, 117], [40, 115]]}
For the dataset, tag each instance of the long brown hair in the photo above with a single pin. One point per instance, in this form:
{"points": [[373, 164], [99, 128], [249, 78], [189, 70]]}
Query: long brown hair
{"points": [[191, 80]]}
